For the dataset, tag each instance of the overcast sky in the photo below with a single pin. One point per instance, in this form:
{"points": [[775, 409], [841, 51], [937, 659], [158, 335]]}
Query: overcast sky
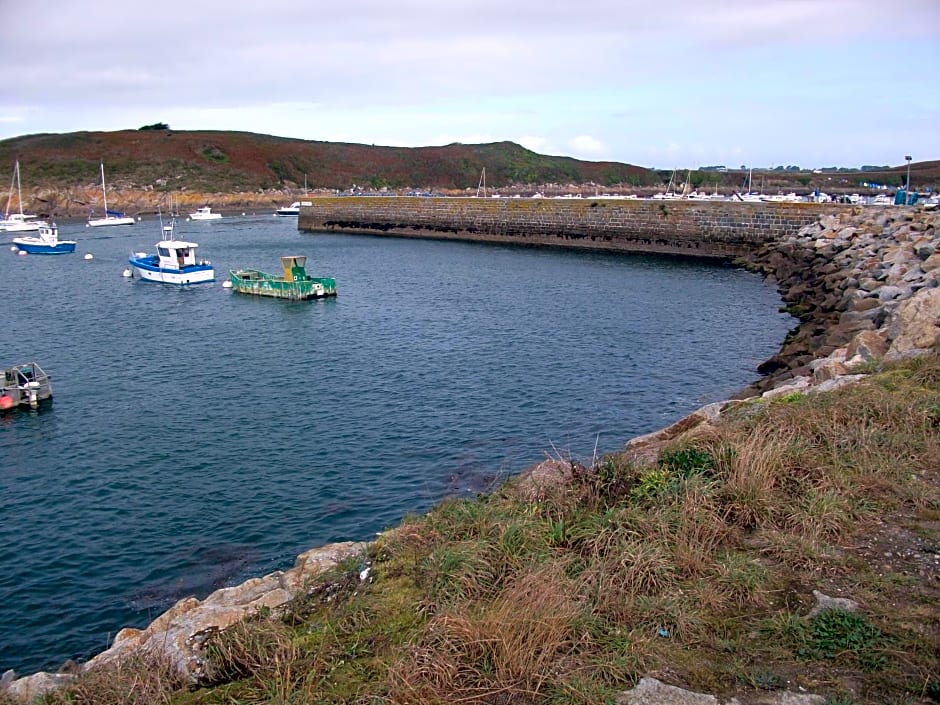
{"points": [[684, 83]]}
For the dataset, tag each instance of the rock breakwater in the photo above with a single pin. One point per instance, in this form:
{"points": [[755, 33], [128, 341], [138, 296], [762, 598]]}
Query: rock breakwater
{"points": [[864, 283]]}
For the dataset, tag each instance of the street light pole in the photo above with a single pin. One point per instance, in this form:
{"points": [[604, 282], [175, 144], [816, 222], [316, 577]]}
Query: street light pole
{"points": [[907, 186]]}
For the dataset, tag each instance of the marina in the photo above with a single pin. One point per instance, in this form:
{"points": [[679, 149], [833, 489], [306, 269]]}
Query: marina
{"points": [[198, 438]]}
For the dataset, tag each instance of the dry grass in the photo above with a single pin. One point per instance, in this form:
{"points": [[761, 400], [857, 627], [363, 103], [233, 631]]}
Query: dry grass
{"points": [[133, 681], [507, 650]]}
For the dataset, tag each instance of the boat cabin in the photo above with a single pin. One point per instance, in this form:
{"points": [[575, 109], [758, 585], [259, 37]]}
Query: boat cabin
{"points": [[176, 254], [294, 267]]}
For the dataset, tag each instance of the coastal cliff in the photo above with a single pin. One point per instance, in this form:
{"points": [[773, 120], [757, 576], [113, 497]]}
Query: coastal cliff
{"points": [[864, 283]]}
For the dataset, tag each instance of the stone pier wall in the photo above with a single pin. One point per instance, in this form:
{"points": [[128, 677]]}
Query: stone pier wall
{"points": [[723, 229]]}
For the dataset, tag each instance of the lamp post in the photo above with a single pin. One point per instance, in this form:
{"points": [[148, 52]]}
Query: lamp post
{"points": [[907, 185]]}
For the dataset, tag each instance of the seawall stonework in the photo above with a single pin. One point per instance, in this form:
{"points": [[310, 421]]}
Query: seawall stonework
{"points": [[722, 229]]}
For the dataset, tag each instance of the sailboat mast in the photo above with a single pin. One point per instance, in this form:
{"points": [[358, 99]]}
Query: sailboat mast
{"points": [[19, 193], [104, 191]]}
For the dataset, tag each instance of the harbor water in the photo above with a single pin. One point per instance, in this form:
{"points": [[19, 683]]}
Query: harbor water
{"points": [[199, 437]]}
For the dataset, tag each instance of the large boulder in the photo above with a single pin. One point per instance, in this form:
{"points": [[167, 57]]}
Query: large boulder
{"points": [[916, 323]]}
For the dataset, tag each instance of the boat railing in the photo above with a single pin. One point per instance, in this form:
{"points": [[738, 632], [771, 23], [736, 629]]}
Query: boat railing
{"points": [[26, 382]]}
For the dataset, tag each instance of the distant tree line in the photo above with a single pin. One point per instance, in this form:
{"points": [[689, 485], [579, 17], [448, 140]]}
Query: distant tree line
{"points": [[155, 126]]}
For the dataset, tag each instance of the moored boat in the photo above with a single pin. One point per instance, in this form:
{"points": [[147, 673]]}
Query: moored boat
{"points": [[292, 210], [295, 284], [18, 222], [174, 263], [110, 217], [204, 213], [25, 385], [287, 211], [46, 242]]}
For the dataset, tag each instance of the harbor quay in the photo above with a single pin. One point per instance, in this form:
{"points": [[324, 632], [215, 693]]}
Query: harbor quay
{"points": [[716, 229]]}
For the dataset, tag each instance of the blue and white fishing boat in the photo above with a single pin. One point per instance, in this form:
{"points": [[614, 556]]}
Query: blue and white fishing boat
{"points": [[174, 263], [45, 242]]}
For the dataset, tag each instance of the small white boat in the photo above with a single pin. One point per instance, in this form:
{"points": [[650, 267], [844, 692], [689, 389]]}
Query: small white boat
{"points": [[293, 209], [47, 242], [174, 263], [110, 217], [204, 213], [19, 223], [287, 211]]}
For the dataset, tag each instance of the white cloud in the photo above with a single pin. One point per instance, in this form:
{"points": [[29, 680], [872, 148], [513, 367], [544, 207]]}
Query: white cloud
{"points": [[774, 78], [587, 147]]}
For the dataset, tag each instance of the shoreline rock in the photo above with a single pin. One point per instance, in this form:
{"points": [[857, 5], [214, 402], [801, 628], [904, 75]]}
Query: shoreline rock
{"points": [[178, 633]]}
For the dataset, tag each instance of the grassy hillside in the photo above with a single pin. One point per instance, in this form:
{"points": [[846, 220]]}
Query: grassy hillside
{"points": [[217, 162]]}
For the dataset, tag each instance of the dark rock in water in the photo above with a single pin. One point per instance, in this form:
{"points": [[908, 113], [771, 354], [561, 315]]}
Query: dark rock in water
{"points": [[774, 364], [211, 567]]}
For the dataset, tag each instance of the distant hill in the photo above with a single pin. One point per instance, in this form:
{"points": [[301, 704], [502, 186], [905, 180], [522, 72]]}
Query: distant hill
{"points": [[217, 162]]}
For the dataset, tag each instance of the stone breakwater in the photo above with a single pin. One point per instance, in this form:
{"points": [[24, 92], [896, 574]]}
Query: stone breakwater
{"points": [[865, 283], [722, 229]]}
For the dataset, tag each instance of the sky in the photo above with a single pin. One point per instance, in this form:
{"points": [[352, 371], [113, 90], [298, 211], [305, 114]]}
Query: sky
{"points": [[681, 84]]}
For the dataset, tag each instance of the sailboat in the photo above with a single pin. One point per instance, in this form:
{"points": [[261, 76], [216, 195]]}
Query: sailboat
{"points": [[669, 194], [18, 222], [749, 195], [110, 217]]}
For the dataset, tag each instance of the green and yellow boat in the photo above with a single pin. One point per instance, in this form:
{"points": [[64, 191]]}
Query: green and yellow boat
{"points": [[295, 284]]}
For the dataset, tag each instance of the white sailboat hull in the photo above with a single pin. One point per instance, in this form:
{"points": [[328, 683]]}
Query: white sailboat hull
{"points": [[98, 222]]}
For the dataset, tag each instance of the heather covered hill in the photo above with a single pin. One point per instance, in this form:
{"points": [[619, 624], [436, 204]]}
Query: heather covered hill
{"points": [[218, 162]]}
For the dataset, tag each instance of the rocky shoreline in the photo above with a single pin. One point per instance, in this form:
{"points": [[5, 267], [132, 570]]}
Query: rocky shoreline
{"points": [[864, 283]]}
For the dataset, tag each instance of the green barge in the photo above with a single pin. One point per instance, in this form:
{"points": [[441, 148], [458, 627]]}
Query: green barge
{"points": [[295, 284]]}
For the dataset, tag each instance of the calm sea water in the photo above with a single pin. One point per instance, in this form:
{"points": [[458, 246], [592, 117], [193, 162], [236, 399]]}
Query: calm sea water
{"points": [[199, 437]]}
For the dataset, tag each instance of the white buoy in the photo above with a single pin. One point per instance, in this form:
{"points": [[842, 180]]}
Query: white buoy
{"points": [[128, 273], [226, 284], [139, 219], [89, 257], [22, 252], [14, 248]]}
